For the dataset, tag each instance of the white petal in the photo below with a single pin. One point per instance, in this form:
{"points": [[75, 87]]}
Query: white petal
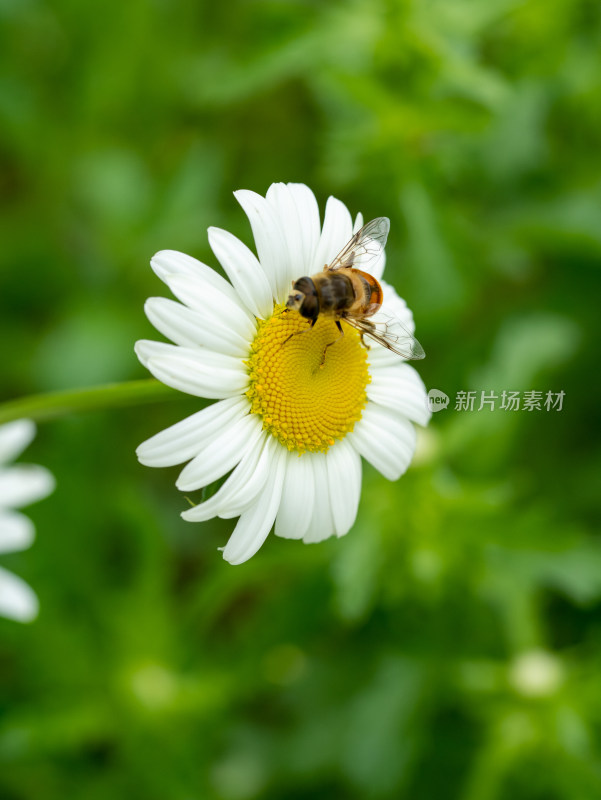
{"points": [[147, 350], [248, 494], [395, 305], [186, 375], [212, 303], [17, 600], [296, 508], [220, 454], [379, 356], [308, 216], [375, 266], [196, 371], [16, 532], [254, 525], [322, 523], [337, 231], [183, 441], [244, 271], [241, 488], [168, 263], [344, 483], [401, 389], [189, 328], [296, 207], [14, 438], [23, 484], [270, 241], [385, 439]]}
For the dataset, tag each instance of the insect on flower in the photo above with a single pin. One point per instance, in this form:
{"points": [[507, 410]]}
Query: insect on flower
{"points": [[294, 415], [342, 291]]}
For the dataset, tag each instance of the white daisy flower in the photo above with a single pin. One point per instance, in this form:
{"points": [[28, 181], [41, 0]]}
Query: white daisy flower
{"points": [[20, 485], [290, 425]]}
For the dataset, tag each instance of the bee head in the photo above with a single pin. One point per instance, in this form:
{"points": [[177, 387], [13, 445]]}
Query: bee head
{"points": [[303, 298], [295, 299]]}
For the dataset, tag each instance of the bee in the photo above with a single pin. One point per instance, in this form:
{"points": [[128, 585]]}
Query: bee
{"points": [[343, 291]]}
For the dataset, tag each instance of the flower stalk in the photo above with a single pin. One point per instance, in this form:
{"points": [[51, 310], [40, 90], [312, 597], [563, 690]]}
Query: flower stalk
{"points": [[52, 405]]}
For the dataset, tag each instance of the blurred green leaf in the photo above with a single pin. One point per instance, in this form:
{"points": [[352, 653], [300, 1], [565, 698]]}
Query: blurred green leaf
{"points": [[383, 664]]}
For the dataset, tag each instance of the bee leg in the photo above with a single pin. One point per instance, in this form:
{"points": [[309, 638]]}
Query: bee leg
{"points": [[368, 324], [296, 333], [323, 358]]}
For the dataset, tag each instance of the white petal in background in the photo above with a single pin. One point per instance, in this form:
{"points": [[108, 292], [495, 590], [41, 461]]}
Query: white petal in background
{"points": [[22, 484], [17, 600], [14, 438], [16, 532]]}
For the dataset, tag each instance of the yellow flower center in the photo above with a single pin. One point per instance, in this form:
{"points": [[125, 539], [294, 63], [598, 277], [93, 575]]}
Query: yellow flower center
{"points": [[307, 383]]}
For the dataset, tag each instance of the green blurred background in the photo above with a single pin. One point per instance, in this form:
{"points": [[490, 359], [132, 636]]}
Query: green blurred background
{"points": [[449, 647]]}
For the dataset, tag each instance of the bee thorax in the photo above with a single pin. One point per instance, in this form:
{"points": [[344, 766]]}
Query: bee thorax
{"points": [[335, 292]]}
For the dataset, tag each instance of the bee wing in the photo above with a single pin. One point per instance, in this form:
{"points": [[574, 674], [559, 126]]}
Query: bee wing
{"points": [[387, 330], [366, 247]]}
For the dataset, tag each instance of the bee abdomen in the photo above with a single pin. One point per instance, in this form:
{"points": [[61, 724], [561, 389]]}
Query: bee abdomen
{"points": [[372, 290]]}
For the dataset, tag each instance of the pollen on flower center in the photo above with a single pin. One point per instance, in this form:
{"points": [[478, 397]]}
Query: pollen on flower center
{"points": [[309, 388]]}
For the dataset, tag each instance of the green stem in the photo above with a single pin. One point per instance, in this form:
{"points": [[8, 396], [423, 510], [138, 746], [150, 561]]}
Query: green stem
{"points": [[59, 404]]}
